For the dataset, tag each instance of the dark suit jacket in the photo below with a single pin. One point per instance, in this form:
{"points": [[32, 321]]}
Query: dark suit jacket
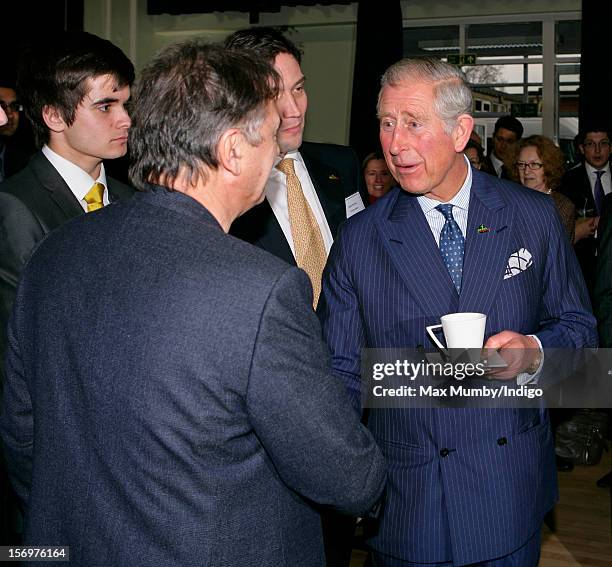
{"points": [[505, 174], [575, 185], [466, 485], [168, 398], [335, 174], [33, 203]]}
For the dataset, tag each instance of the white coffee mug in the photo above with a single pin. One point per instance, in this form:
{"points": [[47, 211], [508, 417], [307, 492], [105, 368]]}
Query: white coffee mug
{"points": [[461, 330]]}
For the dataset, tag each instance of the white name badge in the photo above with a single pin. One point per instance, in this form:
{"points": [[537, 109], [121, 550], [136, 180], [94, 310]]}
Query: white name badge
{"points": [[353, 204]]}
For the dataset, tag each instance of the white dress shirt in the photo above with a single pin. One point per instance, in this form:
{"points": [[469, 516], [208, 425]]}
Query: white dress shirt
{"points": [[606, 182], [79, 181]]}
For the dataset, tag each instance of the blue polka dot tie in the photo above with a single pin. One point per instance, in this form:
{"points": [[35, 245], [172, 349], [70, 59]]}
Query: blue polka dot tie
{"points": [[451, 245]]}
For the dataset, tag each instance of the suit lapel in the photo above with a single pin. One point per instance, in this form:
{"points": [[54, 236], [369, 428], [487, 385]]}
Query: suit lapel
{"points": [[486, 251], [260, 227], [413, 250], [408, 239], [328, 185], [271, 235], [58, 190]]}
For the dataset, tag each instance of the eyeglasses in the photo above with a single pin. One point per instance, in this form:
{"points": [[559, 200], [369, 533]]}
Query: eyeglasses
{"points": [[603, 145], [14, 106], [533, 165]]}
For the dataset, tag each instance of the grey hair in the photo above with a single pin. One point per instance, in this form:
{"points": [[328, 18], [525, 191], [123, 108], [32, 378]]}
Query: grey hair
{"points": [[452, 94], [187, 97]]}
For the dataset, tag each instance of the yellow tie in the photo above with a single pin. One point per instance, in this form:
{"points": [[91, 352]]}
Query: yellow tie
{"points": [[310, 254], [94, 197]]}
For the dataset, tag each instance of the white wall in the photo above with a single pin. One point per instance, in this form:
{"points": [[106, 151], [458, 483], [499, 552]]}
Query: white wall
{"points": [[326, 34], [430, 9]]}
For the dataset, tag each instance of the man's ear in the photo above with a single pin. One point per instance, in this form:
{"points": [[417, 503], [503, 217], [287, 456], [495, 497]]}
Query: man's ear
{"points": [[230, 150], [53, 119], [462, 131]]}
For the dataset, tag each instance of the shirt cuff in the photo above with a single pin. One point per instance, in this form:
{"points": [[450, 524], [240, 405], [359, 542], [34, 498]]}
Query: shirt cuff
{"points": [[532, 378]]}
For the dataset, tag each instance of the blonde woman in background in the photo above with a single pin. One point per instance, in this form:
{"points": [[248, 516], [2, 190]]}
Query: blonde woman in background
{"points": [[378, 178]]}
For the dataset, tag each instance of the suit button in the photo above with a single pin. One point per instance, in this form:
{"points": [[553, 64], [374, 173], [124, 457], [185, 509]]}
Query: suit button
{"points": [[444, 452], [502, 441]]}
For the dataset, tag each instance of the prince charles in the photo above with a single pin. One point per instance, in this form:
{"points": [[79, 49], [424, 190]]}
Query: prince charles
{"points": [[466, 486]]}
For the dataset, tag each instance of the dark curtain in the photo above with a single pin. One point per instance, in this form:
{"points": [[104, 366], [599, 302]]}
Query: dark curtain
{"points": [[25, 22], [379, 44], [595, 109], [22, 23]]}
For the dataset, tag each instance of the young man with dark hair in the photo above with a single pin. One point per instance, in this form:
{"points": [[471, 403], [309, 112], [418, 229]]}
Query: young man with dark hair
{"points": [[75, 92], [508, 130], [587, 185], [310, 192], [194, 417], [75, 89], [314, 187]]}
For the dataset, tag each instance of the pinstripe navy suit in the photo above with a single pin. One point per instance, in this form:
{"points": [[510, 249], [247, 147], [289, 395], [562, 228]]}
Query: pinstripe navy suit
{"points": [[486, 494]]}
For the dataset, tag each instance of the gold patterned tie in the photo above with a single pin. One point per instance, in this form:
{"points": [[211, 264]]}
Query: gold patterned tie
{"points": [[94, 197], [310, 254]]}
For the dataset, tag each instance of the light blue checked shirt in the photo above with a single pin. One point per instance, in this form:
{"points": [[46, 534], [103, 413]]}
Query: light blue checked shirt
{"points": [[460, 202]]}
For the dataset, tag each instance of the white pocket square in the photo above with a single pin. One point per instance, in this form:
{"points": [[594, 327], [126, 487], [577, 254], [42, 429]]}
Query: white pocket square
{"points": [[518, 262]]}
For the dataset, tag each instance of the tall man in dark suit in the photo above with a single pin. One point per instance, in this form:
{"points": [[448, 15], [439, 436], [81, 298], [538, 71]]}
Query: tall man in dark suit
{"points": [[74, 90], [168, 396], [587, 185], [299, 219], [466, 486]]}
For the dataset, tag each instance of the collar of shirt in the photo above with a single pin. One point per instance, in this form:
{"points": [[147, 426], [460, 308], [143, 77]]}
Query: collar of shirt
{"points": [[606, 181], [78, 180], [591, 170], [460, 202]]}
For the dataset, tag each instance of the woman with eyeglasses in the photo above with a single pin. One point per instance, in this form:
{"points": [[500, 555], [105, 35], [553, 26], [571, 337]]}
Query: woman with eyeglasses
{"points": [[539, 164]]}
